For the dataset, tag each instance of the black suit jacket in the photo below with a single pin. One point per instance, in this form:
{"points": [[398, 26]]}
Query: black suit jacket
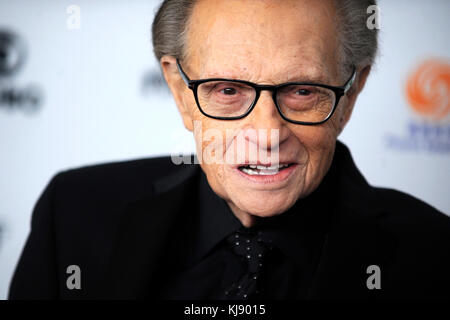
{"points": [[114, 221]]}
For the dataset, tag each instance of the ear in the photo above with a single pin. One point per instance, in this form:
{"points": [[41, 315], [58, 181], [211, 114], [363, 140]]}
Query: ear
{"points": [[178, 89], [352, 94]]}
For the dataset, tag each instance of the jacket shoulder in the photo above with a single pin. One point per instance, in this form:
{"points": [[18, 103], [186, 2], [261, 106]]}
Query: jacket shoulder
{"points": [[416, 226], [401, 207], [136, 169], [115, 181]]}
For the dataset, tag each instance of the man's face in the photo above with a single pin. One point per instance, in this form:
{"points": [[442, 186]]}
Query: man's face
{"points": [[266, 42]]}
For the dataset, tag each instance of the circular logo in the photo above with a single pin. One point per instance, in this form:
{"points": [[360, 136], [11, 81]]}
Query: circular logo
{"points": [[428, 89], [12, 53]]}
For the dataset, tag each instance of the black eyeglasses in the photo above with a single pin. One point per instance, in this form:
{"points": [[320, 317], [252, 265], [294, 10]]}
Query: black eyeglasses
{"points": [[297, 102]]}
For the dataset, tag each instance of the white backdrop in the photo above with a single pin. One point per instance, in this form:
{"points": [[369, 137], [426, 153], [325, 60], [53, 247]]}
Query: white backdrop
{"points": [[101, 100]]}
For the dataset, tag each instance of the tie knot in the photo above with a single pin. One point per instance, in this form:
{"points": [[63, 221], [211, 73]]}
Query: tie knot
{"points": [[252, 246]]}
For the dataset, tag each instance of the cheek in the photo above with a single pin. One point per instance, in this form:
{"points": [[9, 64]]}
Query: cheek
{"points": [[215, 174], [210, 139], [319, 143], [316, 138], [217, 178], [339, 116]]}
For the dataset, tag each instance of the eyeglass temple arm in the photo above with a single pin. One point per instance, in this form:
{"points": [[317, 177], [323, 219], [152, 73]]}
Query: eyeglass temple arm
{"points": [[183, 75], [350, 82]]}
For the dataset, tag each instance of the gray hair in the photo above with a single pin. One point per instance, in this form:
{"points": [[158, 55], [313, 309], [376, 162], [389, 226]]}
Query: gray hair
{"points": [[358, 45]]}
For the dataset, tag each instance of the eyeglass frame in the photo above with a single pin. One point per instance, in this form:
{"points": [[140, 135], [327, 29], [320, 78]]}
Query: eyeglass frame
{"points": [[339, 92]]}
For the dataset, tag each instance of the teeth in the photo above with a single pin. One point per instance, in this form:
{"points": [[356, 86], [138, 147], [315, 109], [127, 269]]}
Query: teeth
{"points": [[262, 170], [271, 167], [249, 171]]}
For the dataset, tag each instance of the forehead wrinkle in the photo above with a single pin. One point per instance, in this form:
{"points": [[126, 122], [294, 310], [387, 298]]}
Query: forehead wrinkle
{"points": [[242, 66], [251, 58], [293, 75]]}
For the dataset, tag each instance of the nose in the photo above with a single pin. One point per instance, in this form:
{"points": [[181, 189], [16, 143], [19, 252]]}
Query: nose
{"points": [[266, 117]]}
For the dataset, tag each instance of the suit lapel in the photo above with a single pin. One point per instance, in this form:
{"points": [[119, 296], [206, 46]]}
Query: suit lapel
{"points": [[143, 234], [355, 240], [353, 244]]}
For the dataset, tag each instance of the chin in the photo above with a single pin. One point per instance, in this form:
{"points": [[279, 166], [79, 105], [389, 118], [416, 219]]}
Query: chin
{"points": [[264, 205]]}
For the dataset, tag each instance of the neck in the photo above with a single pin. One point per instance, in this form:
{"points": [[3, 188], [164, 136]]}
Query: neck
{"points": [[248, 220]]}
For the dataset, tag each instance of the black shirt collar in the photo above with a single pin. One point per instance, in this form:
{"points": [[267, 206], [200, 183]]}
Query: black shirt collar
{"points": [[215, 220]]}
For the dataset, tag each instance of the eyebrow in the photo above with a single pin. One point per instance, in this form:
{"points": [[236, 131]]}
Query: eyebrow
{"points": [[306, 78], [313, 78]]}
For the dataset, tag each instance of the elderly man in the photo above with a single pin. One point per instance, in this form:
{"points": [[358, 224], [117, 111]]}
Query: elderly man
{"points": [[276, 208]]}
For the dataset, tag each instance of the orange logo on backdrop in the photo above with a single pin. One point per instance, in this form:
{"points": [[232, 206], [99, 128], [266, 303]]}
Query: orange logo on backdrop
{"points": [[428, 89]]}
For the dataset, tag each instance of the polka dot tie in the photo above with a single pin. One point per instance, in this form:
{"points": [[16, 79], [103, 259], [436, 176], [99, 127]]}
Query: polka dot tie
{"points": [[252, 247]]}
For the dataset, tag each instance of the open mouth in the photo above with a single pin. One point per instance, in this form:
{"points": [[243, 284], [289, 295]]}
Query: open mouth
{"points": [[262, 170]]}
